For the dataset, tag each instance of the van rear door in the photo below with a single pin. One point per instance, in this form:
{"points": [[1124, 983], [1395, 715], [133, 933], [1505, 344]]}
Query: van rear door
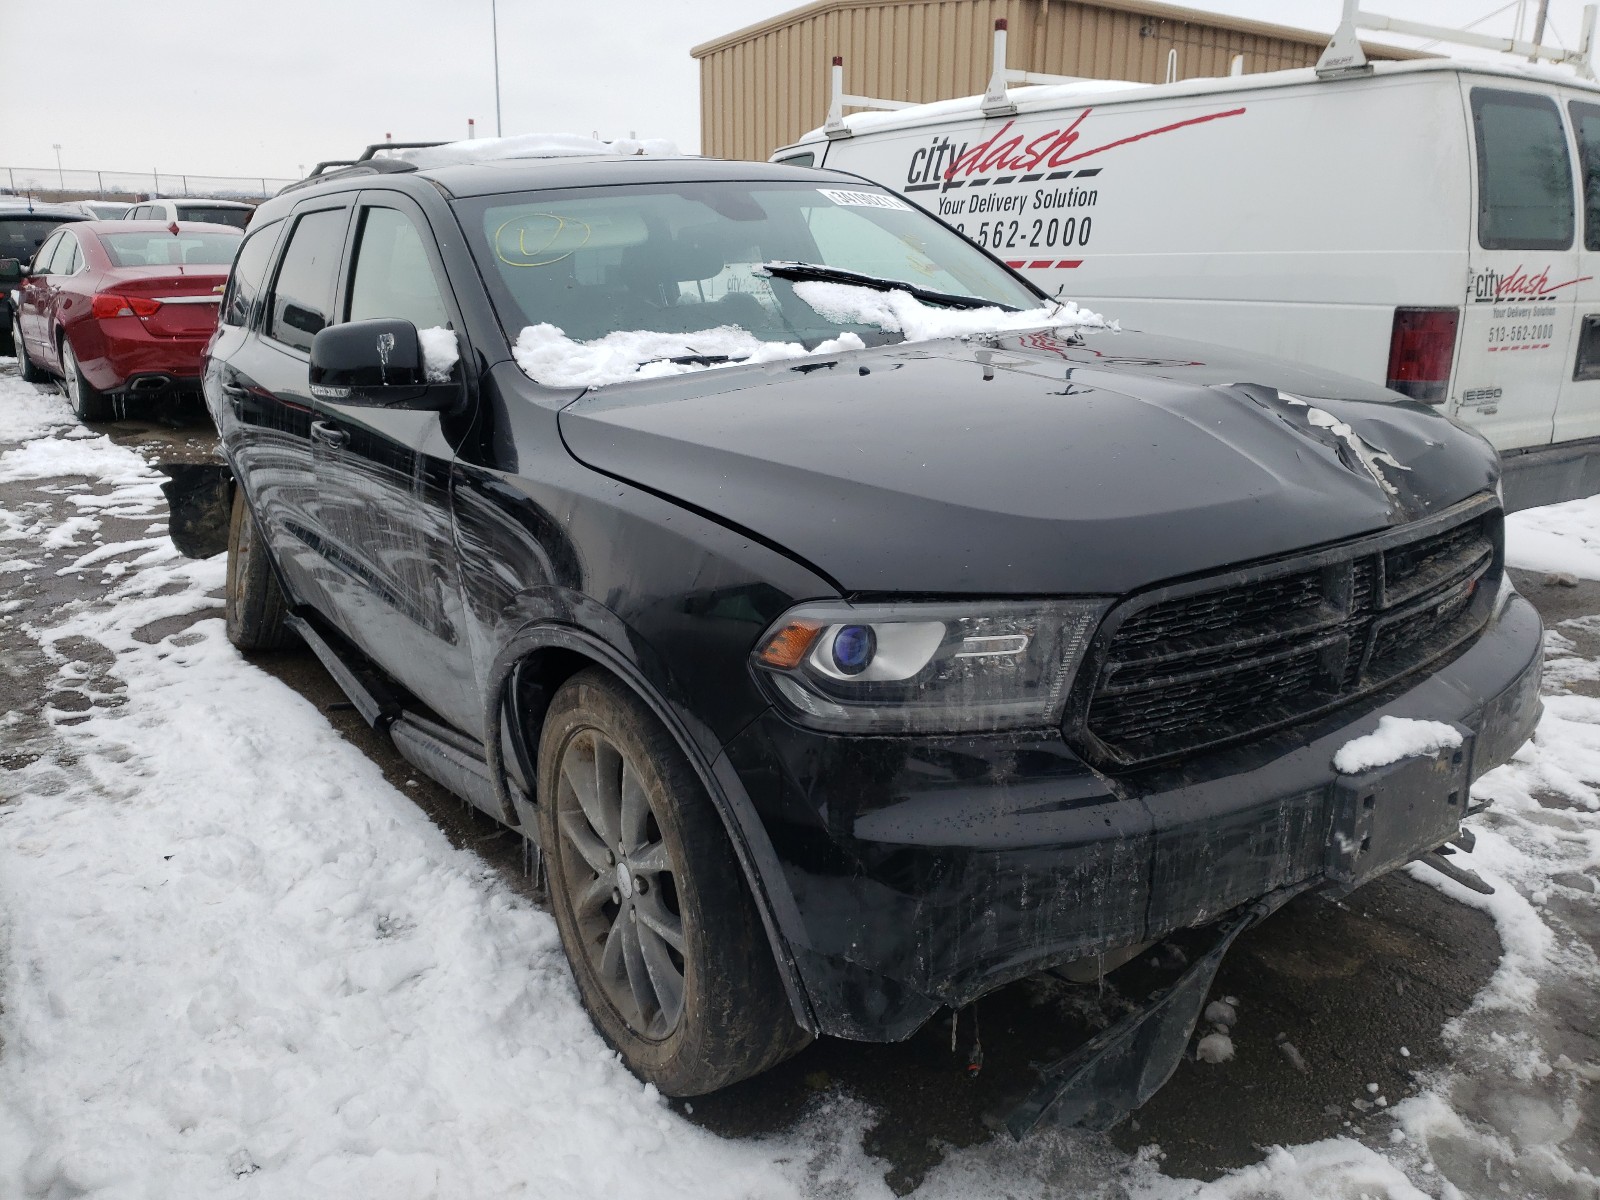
{"points": [[1516, 325], [1578, 408]]}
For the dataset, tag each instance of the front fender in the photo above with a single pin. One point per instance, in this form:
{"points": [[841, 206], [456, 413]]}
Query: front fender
{"points": [[506, 725]]}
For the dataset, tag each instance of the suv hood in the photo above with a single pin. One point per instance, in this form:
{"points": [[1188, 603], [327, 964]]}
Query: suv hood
{"points": [[1033, 463]]}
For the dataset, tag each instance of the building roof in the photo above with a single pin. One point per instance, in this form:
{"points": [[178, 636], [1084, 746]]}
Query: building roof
{"points": [[1143, 8]]}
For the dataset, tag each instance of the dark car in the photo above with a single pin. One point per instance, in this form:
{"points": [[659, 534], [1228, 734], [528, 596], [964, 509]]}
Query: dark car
{"points": [[23, 229], [843, 688], [118, 308]]}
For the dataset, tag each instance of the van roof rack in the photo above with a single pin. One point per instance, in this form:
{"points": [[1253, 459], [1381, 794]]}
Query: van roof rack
{"points": [[371, 162], [1344, 55], [996, 100]]}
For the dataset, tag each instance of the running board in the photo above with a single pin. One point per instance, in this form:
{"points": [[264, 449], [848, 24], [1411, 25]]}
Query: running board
{"points": [[372, 698], [1117, 1070], [451, 760]]}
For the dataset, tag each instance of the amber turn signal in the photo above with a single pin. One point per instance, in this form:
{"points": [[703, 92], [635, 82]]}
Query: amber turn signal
{"points": [[786, 648]]}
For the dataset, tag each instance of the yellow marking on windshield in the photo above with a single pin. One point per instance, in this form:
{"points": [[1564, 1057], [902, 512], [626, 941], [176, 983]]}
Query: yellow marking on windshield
{"points": [[553, 238]]}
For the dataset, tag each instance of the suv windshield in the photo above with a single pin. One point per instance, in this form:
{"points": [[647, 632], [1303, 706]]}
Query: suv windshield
{"points": [[685, 257]]}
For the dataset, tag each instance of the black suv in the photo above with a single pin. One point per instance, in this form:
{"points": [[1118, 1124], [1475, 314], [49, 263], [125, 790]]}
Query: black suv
{"points": [[842, 688], [23, 229]]}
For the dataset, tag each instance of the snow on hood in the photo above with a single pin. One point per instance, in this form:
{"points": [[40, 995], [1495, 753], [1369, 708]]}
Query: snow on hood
{"points": [[901, 312], [548, 356], [532, 145]]}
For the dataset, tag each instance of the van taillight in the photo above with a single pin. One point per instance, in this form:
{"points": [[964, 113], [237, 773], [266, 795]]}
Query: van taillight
{"points": [[1420, 350]]}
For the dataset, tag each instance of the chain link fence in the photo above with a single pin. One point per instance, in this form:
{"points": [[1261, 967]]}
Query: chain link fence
{"points": [[53, 183]]}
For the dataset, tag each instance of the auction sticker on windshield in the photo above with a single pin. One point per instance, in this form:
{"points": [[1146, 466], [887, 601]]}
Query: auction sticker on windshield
{"points": [[862, 199]]}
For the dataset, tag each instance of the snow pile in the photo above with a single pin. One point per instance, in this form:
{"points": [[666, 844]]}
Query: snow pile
{"points": [[1222, 1012], [532, 145], [440, 352], [550, 357], [1214, 1048], [901, 312], [1561, 538], [1394, 739], [235, 961]]}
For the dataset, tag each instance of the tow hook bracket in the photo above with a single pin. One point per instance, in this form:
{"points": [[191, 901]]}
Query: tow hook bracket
{"points": [[1121, 1067], [1463, 876]]}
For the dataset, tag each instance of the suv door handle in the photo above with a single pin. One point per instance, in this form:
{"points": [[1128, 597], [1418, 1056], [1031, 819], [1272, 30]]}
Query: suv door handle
{"points": [[329, 435]]}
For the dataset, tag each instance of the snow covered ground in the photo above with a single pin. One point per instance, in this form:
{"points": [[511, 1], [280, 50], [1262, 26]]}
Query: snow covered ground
{"points": [[235, 962]]}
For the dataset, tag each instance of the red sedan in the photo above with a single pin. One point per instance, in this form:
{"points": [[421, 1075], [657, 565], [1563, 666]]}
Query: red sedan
{"points": [[120, 308]]}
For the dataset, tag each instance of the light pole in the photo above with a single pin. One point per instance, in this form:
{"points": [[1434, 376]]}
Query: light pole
{"points": [[494, 26], [61, 176]]}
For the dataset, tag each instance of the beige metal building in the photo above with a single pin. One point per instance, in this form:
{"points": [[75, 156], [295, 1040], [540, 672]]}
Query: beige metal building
{"points": [[763, 86]]}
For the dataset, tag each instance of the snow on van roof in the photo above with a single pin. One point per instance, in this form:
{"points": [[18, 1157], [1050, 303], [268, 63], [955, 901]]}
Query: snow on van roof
{"points": [[1118, 90], [532, 145]]}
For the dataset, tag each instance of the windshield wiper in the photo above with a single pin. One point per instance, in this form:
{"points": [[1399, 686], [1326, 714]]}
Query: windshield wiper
{"points": [[817, 273], [699, 360]]}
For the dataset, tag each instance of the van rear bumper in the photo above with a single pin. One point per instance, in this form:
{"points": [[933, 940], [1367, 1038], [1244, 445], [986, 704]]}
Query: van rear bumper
{"points": [[1550, 474], [919, 873]]}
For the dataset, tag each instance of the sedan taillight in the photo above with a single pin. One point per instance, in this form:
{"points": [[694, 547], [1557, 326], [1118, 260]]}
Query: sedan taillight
{"points": [[109, 304]]}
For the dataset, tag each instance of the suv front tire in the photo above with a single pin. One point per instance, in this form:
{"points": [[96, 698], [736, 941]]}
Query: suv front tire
{"points": [[665, 943]]}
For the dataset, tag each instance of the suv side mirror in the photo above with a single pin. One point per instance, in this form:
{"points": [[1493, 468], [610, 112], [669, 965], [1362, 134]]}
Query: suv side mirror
{"points": [[379, 364], [12, 271]]}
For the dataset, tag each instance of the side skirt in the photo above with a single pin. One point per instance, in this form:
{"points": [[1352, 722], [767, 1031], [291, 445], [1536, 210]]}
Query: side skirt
{"points": [[450, 758]]}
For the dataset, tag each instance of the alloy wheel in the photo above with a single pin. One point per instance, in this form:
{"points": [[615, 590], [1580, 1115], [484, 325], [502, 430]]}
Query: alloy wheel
{"points": [[69, 369], [620, 884]]}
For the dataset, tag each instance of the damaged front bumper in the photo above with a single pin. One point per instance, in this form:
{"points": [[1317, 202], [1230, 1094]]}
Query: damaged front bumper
{"points": [[918, 873]]}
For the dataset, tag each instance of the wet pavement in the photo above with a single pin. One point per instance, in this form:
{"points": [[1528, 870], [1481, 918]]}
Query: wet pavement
{"points": [[1331, 997]]}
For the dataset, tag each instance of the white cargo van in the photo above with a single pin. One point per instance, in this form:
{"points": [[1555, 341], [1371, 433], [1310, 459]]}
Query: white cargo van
{"points": [[1433, 225]]}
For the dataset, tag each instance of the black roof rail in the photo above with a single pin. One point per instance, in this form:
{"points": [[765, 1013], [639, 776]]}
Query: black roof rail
{"points": [[370, 163]]}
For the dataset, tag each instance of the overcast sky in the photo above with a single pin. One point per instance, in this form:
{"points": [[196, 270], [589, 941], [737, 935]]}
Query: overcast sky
{"points": [[259, 88]]}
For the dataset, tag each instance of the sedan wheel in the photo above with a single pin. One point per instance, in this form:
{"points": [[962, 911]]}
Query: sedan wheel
{"points": [[30, 373], [666, 945], [88, 402]]}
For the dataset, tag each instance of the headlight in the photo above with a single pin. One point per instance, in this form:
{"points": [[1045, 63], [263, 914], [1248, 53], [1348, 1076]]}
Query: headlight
{"points": [[927, 668]]}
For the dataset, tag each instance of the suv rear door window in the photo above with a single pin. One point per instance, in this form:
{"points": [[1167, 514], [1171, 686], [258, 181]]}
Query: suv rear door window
{"points": [[393, 277], [302, 298], [1524, 172], [249, 273]]}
